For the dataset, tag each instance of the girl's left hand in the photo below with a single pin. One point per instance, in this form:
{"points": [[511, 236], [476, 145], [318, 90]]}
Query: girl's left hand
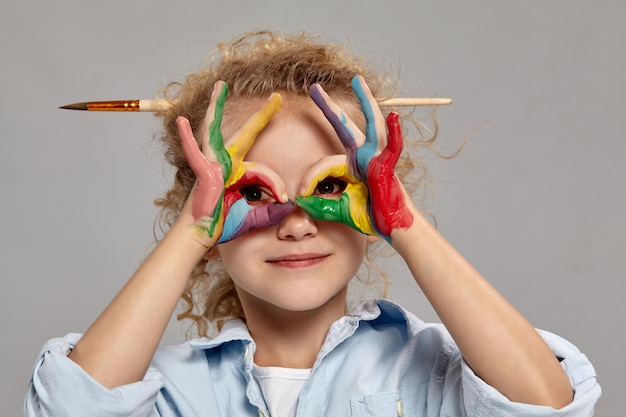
{"points": [[373, 201]]}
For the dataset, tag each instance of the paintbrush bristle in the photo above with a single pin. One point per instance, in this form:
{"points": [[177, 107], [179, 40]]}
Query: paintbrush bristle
{"points": [[76, 106]]}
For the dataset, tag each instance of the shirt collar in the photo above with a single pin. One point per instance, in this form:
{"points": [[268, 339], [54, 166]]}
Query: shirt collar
{"points": [[369, 310], [233, 330]]}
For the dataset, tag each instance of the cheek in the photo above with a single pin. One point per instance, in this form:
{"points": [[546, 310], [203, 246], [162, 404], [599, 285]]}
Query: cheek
{"points": [[234, 253], [225, 251], [352, 242]]}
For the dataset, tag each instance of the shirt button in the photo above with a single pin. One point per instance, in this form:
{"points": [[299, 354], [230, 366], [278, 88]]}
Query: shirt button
{"points": [[400, 408]]}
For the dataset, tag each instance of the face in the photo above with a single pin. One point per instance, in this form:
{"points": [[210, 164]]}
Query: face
{"points": [[300, 264]]}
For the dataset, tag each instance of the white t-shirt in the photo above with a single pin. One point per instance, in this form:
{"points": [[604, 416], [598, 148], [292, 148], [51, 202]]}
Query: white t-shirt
{"points": [[281, 388]]}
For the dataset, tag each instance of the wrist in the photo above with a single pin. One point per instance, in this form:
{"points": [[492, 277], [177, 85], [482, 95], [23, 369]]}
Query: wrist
{"points": [[412, 235], [187, 237]]}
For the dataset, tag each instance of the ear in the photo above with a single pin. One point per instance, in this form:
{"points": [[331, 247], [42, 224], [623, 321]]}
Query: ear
{"points": [[212, 254]]}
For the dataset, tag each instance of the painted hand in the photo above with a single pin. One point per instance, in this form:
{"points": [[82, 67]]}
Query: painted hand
{"points": [[231, 196], [373, 201]]}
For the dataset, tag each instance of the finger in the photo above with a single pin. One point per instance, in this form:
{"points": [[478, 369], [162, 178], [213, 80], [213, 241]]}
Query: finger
{"points": [[334, 210], [244, 138], [209, 186], [349, 134], [390, 155], [375, 122], [322, 208], [267, 215], [358, 194], [387, 190], [197, 161], [351, 208], [375, 133], [248, 218], [331, 166], [213, 119]]}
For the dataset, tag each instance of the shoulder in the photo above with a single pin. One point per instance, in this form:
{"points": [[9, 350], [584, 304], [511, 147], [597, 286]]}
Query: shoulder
{"points": [[381, 314], [233, 339], [385, 327]]}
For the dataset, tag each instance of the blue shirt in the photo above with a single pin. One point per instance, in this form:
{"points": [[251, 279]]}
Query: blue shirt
{"points": [[379, 360]]}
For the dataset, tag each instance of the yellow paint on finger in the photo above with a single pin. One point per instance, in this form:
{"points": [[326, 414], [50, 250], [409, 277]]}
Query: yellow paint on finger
{"points": [[246, 136], [251, 129], [235, 175], [359, 210], [336, 171]]}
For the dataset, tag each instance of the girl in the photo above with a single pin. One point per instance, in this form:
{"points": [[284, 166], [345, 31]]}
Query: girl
{"points": [[274, 206]]}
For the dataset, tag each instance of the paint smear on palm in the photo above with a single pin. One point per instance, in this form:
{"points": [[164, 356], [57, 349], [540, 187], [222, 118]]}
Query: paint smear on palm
{"points": [[210, 225]]}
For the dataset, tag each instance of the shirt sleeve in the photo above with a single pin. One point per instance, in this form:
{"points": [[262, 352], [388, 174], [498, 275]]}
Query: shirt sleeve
{"points": [[60, 387], [480, 399]]}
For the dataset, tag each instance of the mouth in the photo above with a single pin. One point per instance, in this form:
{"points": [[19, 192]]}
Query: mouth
{"points": [[298, 260]]}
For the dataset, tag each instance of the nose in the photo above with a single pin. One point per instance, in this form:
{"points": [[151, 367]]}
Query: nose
{"points": [[297, 225]]}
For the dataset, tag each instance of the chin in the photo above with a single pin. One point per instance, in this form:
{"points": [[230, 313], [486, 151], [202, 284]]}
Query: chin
{"points": [[302, 306], [303, 301]]}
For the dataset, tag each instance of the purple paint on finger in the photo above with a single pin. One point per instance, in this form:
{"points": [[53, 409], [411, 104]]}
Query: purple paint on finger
{"points": [[340, 125], [264, 216]]}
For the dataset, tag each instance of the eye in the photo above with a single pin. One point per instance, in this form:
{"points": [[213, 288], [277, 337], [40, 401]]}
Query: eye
{"points": [[256, 194], [330, 187]]}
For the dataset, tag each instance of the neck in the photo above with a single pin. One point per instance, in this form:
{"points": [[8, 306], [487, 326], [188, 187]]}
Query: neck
{"points": [[290, 339]]}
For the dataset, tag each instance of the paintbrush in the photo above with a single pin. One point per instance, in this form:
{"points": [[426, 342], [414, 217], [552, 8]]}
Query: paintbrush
{"points": [[155, 105]]}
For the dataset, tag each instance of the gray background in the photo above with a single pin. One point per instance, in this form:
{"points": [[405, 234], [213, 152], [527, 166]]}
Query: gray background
{"points": [[536, 201]]}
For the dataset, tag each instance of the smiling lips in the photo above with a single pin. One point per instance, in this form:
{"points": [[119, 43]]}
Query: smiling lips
{"points": [[299, 260]]}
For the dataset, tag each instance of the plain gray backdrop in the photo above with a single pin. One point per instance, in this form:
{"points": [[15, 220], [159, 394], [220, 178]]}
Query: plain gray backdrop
{"points": [[536, 201]]}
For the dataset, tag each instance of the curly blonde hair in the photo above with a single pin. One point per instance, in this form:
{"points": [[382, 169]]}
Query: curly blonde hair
{"points": [[253, 66]]}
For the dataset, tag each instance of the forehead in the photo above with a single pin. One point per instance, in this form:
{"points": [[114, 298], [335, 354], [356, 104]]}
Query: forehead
{"points": [[298, 123]]}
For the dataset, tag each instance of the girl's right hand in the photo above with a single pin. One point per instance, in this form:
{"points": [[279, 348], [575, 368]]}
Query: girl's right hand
{"points": [[231, 196]]}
